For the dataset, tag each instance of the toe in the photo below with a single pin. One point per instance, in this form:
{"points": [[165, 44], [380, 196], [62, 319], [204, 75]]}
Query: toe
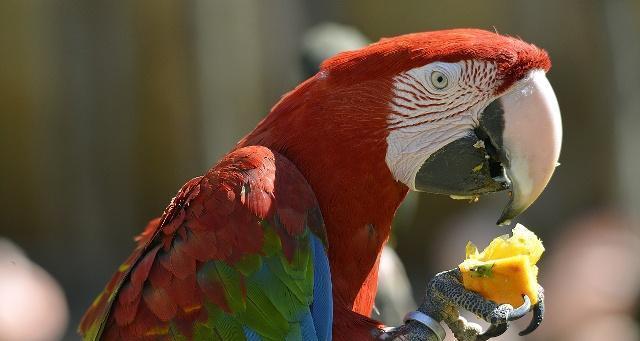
{"points": [[521, 310], [536, 321]]}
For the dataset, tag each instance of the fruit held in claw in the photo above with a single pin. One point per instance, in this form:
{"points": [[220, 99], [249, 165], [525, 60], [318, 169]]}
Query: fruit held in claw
{"points": [[506, 269]]}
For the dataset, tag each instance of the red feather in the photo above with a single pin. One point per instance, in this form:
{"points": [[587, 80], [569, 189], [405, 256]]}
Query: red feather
{"points": [[292, 220], [159, 276], [127, 293], [175, 260], [259, 202], [200, 246], [159, 303], [146, 324], [185, 293], [185, 320], [125, 312], [171, 228], [139, 275]]}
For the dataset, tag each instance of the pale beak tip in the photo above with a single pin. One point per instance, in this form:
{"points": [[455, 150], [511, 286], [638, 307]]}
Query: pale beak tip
{"points": [[504, 220]]}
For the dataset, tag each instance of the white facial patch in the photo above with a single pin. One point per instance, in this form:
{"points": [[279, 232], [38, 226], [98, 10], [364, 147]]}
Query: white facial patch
{"points": [[432, 106]]}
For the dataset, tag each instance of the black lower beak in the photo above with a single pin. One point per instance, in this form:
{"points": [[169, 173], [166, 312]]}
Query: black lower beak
{"points": [[471, 165]]}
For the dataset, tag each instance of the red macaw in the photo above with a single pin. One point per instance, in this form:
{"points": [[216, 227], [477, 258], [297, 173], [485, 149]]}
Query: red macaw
{"points": [[281, 239]]}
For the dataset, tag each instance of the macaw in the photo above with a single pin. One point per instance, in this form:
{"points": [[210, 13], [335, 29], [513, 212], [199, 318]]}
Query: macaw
{"points": [[281, 239]]}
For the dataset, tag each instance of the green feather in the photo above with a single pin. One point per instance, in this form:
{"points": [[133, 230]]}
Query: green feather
{"points": [[277, 294], [231, 282], [229, 279], [202, 332], [219, 326], [229, 328], [300, 281], [287, 304], [249, 264], [262, 316], [295, 334], [272, 244]]}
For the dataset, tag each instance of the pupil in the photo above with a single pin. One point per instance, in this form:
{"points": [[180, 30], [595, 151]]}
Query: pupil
{"points": [[439, 79]]}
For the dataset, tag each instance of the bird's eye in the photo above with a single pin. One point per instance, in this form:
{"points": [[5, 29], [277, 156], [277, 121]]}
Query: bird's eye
{"points": [[439, 80]]}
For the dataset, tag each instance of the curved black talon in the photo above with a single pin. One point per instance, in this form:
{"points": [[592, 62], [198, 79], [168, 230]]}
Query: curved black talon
{"points": [[538, 316], [494, 330], [521, 310]]}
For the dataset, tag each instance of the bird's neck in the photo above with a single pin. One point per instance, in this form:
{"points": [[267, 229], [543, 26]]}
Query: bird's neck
{"points": [[343, 161]]}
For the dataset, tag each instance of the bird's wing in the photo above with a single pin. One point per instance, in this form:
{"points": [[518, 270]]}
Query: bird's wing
{"points": [[240, 253]]}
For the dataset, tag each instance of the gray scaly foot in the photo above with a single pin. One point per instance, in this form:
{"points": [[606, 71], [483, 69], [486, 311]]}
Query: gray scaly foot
{"points": [[445, 295]]}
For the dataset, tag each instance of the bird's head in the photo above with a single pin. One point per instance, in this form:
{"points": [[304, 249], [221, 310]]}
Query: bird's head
{"points": [[460, 112]]}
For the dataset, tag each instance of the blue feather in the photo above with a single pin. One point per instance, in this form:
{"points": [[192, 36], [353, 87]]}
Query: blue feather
{"points": [[322, 306], [308, 328], [250, 334]]}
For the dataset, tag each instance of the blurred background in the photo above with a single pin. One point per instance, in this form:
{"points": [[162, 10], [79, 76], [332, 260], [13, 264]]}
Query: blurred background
{"points": [[108, 107]]}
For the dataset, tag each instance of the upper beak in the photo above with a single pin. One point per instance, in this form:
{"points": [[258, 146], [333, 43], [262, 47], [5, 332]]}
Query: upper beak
{"points": [[531, 141], [516, 146]]}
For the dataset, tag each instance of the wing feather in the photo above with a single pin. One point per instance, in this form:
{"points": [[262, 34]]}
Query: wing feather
{"points": [[231, 258]]}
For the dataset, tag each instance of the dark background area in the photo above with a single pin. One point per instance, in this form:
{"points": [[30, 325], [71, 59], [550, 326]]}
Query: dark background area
{"points": [[108, 107]]}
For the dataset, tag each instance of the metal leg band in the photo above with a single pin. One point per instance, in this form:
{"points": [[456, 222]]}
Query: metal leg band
{"points": [[428, 321]]}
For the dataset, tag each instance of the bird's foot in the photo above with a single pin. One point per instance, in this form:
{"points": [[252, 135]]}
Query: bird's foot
{"points": [[446, 294]]}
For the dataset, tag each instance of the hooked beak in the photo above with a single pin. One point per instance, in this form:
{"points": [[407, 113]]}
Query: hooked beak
{"points": [[531, 141], [516, 147]]}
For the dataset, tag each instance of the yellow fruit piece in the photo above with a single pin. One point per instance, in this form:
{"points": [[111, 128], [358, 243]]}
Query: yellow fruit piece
{"points": [[506, 269]]}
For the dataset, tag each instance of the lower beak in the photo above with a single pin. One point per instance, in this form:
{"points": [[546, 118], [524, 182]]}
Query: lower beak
{"points": [[516, 146]]}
